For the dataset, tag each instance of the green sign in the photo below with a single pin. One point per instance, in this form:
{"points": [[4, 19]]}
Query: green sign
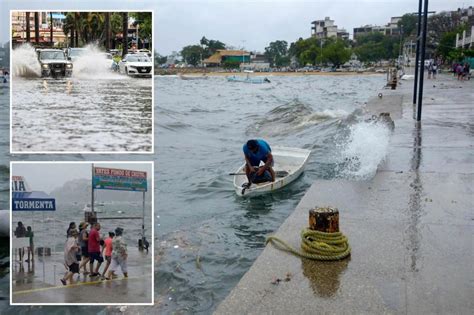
{"points": [[119, 179]]}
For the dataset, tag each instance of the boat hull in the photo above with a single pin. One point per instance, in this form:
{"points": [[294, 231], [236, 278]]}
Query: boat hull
{"points": [[253, 80], [291, 160]]}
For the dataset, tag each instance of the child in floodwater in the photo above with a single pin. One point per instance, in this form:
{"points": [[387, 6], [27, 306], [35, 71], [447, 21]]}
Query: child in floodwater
{"points": [[107, 252], [31, 250]]}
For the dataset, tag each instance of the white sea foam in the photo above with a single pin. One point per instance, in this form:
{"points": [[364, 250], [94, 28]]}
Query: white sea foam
{"points": [[93, 64], [365, 148]]}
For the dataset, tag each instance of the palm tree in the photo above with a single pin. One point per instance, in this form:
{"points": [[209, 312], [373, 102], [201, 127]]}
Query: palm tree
{"points": [[107, 30], [37, 27], [76, 28], [28, 39], [69, 27], [125, 33]]}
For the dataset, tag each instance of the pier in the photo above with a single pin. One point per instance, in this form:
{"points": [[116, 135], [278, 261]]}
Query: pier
{"points": [[410, 226], [39, 282]]}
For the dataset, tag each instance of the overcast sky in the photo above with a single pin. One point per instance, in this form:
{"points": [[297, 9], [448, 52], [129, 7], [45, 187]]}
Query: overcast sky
{"points": [[251, 24], [48, 176]]}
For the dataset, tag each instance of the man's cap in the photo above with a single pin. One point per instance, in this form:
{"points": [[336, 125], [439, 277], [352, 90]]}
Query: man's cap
{"points": [[252, 144]]}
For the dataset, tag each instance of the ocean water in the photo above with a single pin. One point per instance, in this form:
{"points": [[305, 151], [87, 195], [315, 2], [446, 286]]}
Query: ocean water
{"points": [[50, 227], [206, 237]]}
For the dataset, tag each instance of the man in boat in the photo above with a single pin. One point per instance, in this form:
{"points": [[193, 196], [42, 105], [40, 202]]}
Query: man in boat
{"points": [[256, 151]]}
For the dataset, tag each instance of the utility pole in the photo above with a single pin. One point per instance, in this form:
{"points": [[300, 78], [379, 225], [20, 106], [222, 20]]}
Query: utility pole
{"points": [[423, 50], [417, 58]]}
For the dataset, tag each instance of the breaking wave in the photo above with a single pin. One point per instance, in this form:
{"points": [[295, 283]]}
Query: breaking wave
{"points": [[292, 117]]}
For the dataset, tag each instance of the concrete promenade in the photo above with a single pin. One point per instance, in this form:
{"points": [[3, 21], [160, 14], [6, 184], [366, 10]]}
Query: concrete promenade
{"points": [[410, 226], [40, 282]]}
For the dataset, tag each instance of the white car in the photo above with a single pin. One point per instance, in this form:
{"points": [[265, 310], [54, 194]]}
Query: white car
{"points": [[136, 65]]}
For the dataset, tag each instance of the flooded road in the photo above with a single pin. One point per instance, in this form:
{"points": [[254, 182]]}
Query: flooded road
{"points": [[95, 110]]}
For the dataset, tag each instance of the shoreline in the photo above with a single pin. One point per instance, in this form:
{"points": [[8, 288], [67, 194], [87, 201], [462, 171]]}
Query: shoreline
{"points": [[261, 74]]}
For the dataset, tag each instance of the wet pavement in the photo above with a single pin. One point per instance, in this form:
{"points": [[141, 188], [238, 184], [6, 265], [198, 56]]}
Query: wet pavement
{"points": [[39, 282], [410, 227]]}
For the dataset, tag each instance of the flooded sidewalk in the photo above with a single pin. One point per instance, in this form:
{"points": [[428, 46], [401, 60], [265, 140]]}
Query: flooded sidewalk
{"points": [[410, 226], [39, 282]]}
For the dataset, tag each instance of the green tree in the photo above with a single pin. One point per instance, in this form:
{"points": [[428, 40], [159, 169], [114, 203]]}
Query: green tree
{"points": [[210, 46], [336, 52], [159, 60], [376, 46], [143, 19], [306, 51], [192, 54], [408, 24], [277, 53]]}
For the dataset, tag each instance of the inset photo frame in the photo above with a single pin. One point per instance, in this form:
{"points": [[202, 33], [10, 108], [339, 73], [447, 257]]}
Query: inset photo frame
{"points": [[81, 233], [78, 84]]}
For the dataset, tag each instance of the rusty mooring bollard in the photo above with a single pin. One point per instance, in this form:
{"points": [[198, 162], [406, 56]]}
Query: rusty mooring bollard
{"points": [[324, 219]]}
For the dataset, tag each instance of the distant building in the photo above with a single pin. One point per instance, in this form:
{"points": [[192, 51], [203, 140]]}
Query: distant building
{"points": [[322, 29], [223, 55], [466, 39], [19, 35], [467, 15], [390, 29]]}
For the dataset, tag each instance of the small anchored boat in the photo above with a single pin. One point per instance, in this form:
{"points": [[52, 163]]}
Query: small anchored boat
{"points": [[289, 165], [201, 77], [248, 79], [87, 208]]}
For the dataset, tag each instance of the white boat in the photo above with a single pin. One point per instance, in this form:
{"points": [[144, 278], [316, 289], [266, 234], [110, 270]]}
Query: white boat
{"points": [[289, 164], [248, 79], [87, 208], [201, 77]]}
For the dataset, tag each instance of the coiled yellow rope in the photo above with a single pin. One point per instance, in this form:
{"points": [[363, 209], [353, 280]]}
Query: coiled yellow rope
{"points": [[316, 245]]}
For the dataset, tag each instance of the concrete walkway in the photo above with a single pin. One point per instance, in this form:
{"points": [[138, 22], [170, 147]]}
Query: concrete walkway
{"points": [[40, 282], [410, 227]]}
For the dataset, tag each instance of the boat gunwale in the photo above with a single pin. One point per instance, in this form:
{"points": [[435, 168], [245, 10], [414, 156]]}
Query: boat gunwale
{"points": [[303, 153]]}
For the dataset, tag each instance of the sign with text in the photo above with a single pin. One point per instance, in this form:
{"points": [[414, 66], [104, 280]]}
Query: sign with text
{"points": [[119, 179], [32, 201], [19, 184]]}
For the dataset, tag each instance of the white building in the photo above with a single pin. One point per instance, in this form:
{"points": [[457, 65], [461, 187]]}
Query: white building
{"points": [[390, 29], [326, 28]]}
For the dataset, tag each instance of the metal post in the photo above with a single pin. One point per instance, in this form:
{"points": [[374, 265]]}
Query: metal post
{"points": [[423, 50], [417, 58], [92, 191], [143, 220]]}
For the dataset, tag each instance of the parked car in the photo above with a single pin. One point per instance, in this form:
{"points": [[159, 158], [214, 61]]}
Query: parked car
{"points": [[144, 51], [74, 53], [136, 65], [54, 63]]}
